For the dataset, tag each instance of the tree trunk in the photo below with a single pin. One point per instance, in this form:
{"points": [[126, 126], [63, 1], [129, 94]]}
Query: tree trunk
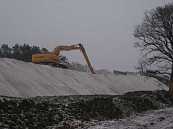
{"points": [[171, 82]]}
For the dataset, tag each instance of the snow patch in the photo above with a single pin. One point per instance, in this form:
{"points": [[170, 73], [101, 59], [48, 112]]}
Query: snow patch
{"points": [[159, 119]]}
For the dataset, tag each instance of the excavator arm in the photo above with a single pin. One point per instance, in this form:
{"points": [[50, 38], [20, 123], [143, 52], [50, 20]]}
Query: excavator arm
{"points": [[58, 49], [86, 58]]}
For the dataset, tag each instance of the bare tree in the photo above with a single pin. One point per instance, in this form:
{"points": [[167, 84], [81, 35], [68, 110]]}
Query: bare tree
{"points": [[155, 39]]}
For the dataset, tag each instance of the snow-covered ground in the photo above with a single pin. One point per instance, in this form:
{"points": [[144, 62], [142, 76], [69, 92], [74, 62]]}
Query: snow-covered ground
{"points": [[23, 79], [160, 119]]}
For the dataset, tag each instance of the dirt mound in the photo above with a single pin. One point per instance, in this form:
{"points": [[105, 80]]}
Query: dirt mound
{"points": [[23, 79]]}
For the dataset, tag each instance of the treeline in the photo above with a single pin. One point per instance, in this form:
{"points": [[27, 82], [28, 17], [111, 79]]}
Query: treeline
{"points": [[20, 52]]}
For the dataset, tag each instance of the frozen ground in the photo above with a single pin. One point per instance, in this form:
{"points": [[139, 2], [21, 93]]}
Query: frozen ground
{"points": [[160, 119], [84, 112], [22, 79]]}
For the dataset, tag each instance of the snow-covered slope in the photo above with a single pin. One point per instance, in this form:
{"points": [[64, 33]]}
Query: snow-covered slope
{"points": [[18, 78]]}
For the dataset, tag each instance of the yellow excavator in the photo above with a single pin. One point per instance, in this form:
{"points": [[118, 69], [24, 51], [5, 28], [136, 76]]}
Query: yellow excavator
{"points": [[53, 58]]}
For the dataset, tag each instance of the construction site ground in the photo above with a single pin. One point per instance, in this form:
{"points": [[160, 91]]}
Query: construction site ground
{"points": [[93, 112]]}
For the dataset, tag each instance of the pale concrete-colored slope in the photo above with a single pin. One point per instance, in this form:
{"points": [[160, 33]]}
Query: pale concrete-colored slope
{"points": [[22, 79]]}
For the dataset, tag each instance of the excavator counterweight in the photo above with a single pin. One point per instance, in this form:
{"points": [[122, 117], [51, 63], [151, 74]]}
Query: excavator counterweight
{"points": [[53, 58]]}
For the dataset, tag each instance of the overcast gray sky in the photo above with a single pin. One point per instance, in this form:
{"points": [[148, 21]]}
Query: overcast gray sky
{"points": [[105, 27]]}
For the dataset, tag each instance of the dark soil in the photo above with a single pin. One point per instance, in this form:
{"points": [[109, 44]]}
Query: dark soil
{"points": [[69, 112]]}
